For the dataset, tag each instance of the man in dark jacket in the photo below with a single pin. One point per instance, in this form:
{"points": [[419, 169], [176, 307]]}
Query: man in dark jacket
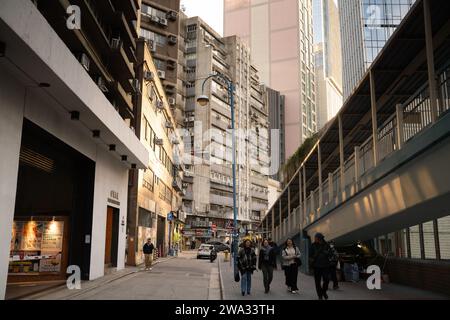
{"points": [[319, 258], [148, 254]]}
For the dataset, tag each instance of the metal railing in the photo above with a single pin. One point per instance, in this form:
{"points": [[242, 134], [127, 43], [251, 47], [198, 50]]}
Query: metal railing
{"points": [[413, 116]]}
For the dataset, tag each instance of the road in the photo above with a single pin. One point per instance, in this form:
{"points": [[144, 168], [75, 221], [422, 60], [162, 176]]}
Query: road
{"points": [[186, 278]]}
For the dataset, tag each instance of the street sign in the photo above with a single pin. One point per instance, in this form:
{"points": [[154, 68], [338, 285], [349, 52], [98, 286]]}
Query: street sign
{"points": [[170, 216]]}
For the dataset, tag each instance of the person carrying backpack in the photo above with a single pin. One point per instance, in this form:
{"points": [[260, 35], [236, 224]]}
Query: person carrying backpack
{"points": [[319, 259]]}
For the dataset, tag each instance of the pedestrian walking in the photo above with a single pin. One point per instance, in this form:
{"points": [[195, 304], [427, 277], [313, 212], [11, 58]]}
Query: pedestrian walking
{"points": [[246, 265], [148, 254], [290, 259], [334, 260], [267, 262], [319, 258]]}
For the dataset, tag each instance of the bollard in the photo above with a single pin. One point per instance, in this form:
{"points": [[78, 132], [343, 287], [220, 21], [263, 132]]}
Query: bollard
{"points": [[227, 256]]}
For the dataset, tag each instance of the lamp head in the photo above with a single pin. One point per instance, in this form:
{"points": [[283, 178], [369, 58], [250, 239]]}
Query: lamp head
{"points": [[203, 100]]}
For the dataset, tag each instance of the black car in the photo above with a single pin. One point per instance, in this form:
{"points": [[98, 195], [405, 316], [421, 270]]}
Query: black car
{"points": [[219, 246]]}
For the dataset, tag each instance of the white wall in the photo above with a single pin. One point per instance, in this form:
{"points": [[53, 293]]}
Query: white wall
{"points": [[10, 138], [110, 174]]}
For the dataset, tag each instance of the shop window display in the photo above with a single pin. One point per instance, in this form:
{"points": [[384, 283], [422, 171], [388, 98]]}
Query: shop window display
{"points": [[37, 247]]}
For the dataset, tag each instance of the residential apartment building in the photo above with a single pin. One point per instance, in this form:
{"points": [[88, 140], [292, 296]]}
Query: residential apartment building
{"points": [[209, 194], [161, 23], [366, 25], [155, 193], [280, 36], [328, 60], [67, 138]]}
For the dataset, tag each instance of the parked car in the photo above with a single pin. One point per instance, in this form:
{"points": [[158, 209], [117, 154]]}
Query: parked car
{"points": [[204, 251], [219, 246]]}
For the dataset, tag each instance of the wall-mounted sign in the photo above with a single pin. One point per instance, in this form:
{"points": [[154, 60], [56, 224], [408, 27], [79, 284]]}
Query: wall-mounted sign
{"points": [[114, 198]]}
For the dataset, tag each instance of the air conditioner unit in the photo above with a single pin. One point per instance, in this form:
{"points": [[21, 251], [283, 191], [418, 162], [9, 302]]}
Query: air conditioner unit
{"points": [[85, 61], [160, 105], [163, 21], [172, 101], [161, 74], [172, 39], [101, 83], [218, 117], [154, 18], [148, 75], [169, 125], [116, 43], [151, 45], [159, 142], [175, 141], [172, 15], [136, 85]]}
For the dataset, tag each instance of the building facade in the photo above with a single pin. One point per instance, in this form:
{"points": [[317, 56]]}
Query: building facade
{"points": [[161, 23], [366, 25], [328, 60], [280, 36], [154, 193], [67, 135], [209, 194]]}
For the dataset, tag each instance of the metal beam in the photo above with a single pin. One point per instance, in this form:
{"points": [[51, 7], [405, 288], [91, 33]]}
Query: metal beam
{"points": [[373, 104], [432, 80]]}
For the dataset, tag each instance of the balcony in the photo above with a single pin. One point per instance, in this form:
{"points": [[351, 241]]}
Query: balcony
{"points": [[129, 7]]}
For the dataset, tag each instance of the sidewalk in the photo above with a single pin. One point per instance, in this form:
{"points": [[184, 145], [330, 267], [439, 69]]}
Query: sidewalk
{"points": [[347, 291], [62, 293]]}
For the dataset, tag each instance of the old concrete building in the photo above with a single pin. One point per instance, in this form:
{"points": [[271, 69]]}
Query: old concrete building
{"points": [[209, 196], [154, 193]]}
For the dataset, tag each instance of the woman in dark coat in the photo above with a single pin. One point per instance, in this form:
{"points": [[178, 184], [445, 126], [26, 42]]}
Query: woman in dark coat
{"points": [[246, 265], [266, 263]]}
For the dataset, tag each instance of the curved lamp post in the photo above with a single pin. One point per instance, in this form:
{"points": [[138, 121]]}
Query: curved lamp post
{"points": [[203, 101]]}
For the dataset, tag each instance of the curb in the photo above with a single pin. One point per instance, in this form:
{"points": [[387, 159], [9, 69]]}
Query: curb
{"points": [[222, 289]]}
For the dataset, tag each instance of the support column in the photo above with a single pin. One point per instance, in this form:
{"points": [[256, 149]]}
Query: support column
{"points": [[304, 192], [266, 235], [273, 223], [373, 99], [319, 160], [400, 136], [281, 219], [432, 80], [341, 153], [289, 210], [330, 187], [300, 190], [357, 165]]}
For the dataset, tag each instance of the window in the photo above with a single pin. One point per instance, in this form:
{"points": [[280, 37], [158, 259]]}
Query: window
{"points": [[444, 237], [429, 243], [414, 236], [149, 180], [159, 39]]}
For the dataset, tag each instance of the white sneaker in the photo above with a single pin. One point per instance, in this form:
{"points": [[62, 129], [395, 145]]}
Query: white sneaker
{"points": [[150, 269], [294, 292]]}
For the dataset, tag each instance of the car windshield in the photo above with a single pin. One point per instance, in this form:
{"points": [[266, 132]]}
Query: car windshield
{"points": [[205, 247]]}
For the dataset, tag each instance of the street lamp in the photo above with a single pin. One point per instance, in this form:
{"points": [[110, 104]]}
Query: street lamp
{"points": [[203, 101]]}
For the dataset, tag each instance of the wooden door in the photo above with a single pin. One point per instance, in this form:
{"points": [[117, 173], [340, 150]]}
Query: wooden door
{"points": [[108, 240]]}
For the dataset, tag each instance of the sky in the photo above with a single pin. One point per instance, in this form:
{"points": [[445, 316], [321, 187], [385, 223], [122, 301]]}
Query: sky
{"points": [[211, 11]]}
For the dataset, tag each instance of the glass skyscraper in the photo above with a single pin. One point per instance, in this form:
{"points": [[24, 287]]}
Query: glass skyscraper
{"points": [[366, 25]]}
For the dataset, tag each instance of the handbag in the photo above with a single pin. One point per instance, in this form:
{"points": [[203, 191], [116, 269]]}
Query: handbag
{"points": [[237, 277]]}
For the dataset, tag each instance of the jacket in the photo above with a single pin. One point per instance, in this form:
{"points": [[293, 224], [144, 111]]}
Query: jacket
{"points": [[148, 248], [272, 261], [287, 259], [319, 255], [246, 260]]}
